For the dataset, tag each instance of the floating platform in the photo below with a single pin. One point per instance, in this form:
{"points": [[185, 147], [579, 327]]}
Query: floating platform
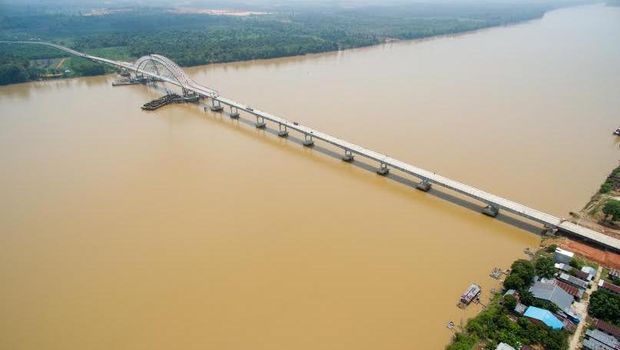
{"points": [[129, 81], [168, 99], [472, 293]]}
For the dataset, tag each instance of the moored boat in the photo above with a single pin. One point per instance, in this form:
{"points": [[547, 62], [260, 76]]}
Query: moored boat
{"points": [[470, 294]]}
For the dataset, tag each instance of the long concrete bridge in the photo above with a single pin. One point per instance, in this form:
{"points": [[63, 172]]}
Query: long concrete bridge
{"points": [[160, 68]]}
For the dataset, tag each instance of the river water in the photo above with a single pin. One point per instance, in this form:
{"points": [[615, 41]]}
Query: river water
{"points": [[183, 229]]}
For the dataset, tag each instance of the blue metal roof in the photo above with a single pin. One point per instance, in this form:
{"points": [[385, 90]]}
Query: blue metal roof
{"points": [[545, 316]]}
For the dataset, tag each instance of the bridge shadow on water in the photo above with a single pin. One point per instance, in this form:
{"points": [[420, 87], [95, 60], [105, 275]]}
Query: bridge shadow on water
{"points": [[247, 127]]}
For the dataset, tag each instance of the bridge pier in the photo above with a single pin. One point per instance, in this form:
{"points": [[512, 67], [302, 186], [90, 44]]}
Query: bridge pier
{"points": [[490, 210], [234, 113], [424, 186], [282, 130], [383, 170], [260, 122], [308, 140], [348, 156], [216, 106], [550, 230]]}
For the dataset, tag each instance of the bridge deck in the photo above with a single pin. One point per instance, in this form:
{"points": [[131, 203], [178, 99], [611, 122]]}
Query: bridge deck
{"points": [[470, 191]]}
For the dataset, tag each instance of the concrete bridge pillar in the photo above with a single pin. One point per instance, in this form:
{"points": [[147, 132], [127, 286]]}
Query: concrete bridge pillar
{"points": [[550, 230], [260, 122], [383, 169], [424, 186], [308, 140], [282, 130], [234, 113], [490, 210], [348, 156], [216, 106]]}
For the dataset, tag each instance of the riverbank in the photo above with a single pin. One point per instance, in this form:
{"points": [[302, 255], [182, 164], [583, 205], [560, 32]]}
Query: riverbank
{"points": [[602, 212], [545, 303], [193, 39]]}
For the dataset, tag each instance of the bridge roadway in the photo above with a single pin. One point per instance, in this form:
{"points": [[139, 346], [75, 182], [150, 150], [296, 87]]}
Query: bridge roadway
{"points": [[428, 177]]}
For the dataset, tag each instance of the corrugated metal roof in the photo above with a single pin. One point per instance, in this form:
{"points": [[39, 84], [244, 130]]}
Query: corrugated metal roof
{"points": [[573, 280], [545, 316], [570, 289], [603, 338], [607, 327], [589, 270], [609, 286], [591, 344], [564, 252], [548, 290], [581, 274], [563, 267], [504, 346]]}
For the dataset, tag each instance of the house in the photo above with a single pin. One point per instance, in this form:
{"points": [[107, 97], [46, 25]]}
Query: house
{"points": [[592, 344], [577, 282], [581, 274], [597, 340], [548, 290], [569, 326], [563, 256], [606, 327], [609, 286], [590, 271], [577, 293], [504, 346], [544, 317], [564, 267], [520, 308]]}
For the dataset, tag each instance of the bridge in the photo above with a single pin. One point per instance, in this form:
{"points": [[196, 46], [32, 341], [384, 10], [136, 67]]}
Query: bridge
{"points": [[160, 68]]}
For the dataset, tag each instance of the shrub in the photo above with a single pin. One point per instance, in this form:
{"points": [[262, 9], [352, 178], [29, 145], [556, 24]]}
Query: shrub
{"points": [[551, 248]]}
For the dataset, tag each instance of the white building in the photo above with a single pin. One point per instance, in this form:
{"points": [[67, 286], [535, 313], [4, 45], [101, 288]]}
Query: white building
{"points": [[563, 256]]}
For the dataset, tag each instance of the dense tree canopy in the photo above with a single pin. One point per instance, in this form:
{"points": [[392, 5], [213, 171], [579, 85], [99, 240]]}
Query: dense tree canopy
{"points": [[605, 305], [545, 267], [193, 39], [612, 210], [521, 275], [494, 326]]}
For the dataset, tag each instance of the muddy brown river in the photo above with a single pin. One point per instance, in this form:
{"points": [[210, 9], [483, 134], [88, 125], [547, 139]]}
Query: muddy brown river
{"points": [[124, 229]]}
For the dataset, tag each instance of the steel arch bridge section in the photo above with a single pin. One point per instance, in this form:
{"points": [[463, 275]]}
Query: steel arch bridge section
{"points": [[157, 61], [154, 63]]}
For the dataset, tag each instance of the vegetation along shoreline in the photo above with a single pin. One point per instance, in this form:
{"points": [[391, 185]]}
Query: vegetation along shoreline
{"points": [[192, 39]]}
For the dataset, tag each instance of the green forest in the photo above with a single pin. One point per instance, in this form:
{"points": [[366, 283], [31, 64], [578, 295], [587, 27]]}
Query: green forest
{"points": [[195, 39]]}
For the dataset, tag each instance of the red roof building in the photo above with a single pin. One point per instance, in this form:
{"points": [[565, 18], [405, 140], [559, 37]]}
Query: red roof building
{"points": [[606, 327], [609, 286]]}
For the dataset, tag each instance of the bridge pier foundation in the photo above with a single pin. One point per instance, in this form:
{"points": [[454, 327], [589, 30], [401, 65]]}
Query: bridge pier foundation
{"points": [[234, 113], [490, 210], [216, 106], [260, 122], [550, 230], [308, 140], [424, 186], [348, 156], [383, 170], [282, 130]]}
